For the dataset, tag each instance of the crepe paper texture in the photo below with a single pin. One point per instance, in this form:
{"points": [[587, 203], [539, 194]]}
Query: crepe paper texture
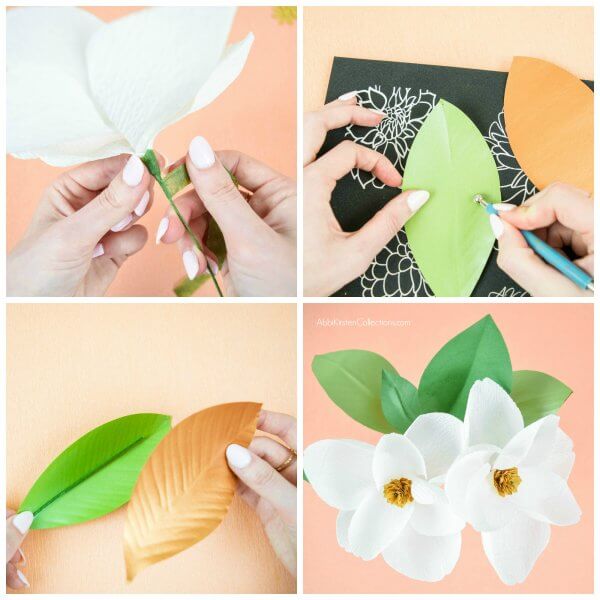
{"points": [[97, 473], [369, 389], [184, 491], [550, 123], [450, 236], [352, 379], [79, 89]]}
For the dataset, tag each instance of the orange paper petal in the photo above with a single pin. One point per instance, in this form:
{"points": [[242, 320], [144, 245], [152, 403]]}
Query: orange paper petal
{"points": [[185, 489], [549, 117]]}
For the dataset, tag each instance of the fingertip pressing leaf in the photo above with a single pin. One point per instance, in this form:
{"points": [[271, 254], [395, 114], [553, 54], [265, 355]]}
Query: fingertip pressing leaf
{"points": [[352, 379], [450, 236], [538, 394], [399, 401], [185, 489], [96, 474], [476, 353]]}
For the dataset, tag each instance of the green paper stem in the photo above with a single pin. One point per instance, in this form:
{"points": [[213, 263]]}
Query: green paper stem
{"points": [[175, 181]]}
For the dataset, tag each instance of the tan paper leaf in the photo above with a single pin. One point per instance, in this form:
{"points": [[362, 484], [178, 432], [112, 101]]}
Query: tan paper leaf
{"points": [[185, 489]]}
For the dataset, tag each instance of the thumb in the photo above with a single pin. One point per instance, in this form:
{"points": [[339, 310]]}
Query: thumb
{"points": [[376, 233], [219, 194], [17, 527], [524, 266], [113, 206]]}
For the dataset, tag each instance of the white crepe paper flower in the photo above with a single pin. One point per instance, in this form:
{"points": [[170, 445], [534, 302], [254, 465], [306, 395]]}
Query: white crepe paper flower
{"points": [[80, 89], [511, 482], [390, 496]]}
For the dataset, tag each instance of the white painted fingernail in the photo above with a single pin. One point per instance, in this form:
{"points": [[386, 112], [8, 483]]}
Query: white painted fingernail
{"points": [[122, 223], [417, 199], [497, 226], [143, 203], [348, 95], [377, 112], [214, 267], [190, 262], [499, 206], [22, 578], [22, 559], [237, 456], [23, 521], [201, 153], [133, 171], [162, 228], [98, 251]]}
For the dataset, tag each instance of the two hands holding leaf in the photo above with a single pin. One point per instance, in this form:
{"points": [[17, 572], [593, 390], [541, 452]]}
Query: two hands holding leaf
{"points": [[178, 483]]}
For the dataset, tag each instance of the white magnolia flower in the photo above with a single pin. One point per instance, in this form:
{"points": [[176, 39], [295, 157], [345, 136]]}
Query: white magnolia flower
{"points": [[405, 111], [511, 483], [390, 497], [81, 89]]}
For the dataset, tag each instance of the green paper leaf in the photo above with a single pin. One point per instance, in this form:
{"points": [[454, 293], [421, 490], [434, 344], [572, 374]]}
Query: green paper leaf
{"points": [[96, 474], [399, 401], [215, 242], [450, 236], [476, 353], [538, 394], [352, 379]]}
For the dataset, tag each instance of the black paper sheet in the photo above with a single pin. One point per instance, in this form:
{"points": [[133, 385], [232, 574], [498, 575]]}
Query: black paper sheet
{"points": [[407, 92]]}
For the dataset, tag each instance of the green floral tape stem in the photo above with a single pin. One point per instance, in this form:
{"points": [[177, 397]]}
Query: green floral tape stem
{"points": [[175, 181]]}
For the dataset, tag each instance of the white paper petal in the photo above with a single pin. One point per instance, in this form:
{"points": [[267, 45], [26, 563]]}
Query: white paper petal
{"points": [[561, 458], [426, 492], [422, 557], [459, 477], [50, 110], [492, 417], [396, 456], [375, 524], [147, 69], [530, 446], [546, 496], [341, 528], [486, 510], [340, 471], [440, 438], [436, 519], [514, 549]]}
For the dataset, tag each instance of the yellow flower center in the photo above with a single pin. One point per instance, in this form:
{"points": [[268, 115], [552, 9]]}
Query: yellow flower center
{"points": [[506, 481], [398, 492]]}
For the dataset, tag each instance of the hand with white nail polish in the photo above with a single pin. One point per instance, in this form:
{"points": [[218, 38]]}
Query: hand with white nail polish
{"points": [[258, 222], [17, 527], [83, 230], [267, 474], [562, 216], [332, 257]]}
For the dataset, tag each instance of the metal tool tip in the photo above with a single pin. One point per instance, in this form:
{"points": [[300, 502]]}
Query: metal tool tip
{"points": [[478, 199]]}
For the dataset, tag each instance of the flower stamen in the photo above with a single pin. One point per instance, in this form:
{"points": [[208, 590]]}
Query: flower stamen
{"points": [[398, 492], [506, 481]]}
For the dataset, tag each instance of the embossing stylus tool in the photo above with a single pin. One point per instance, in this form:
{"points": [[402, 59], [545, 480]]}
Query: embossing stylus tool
{"points": [[548, 253]]}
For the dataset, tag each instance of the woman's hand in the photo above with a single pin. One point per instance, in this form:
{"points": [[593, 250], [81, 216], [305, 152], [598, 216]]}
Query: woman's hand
{"points": [[83, 230], [259, 228], [268, 474], [17, 526], [333, 257], [562, 216]]}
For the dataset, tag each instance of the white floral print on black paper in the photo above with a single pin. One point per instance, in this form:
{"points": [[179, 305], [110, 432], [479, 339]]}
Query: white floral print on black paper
{"points": [[507, 292], [405, 112], [394, 272]]}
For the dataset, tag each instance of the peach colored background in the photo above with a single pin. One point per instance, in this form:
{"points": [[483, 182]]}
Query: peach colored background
{"points": [[73, 367], [557, 339], [256, 115], [475, 37]]}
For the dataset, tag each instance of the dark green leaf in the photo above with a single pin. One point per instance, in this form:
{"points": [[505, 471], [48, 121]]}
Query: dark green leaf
{"points": [[96, 474], [352, 379], [399, 401], [476, 353], [538, 394]]}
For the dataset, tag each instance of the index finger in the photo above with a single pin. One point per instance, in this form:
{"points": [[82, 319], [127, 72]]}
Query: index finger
{"points": [[279, 424], [251, 173]]}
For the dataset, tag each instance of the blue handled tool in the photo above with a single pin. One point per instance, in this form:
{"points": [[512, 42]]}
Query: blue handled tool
{"points": [[548, 253]]}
